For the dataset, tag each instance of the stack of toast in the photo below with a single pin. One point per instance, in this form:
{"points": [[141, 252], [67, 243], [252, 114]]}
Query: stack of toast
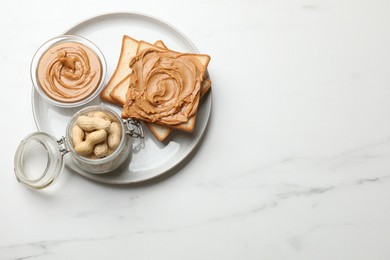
{"points": [[125, 88]]}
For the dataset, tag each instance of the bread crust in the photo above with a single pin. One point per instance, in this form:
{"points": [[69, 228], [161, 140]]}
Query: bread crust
{"points": [[128, 49]]}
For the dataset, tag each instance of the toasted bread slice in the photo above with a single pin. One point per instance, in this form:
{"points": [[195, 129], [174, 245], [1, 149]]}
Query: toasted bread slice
{"points": [[199, 60], [128, 50], [118, 95], [119, 91]]}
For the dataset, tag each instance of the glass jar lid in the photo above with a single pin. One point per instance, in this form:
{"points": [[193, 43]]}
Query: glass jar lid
{"points": [[39, 160]]}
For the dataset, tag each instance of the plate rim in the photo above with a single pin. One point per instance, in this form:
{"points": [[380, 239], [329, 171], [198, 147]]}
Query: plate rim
{"points": [[152, 17], [191, 149]]}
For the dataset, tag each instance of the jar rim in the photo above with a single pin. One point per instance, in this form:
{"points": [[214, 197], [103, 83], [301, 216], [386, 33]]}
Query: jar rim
{"points": [[54, 163]]}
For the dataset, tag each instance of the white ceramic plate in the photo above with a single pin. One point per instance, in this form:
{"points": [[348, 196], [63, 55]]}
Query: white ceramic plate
{"points": [[150, 158]]}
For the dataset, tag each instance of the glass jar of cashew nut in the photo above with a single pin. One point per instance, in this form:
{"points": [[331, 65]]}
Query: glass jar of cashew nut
{"points": [[97, 140]]}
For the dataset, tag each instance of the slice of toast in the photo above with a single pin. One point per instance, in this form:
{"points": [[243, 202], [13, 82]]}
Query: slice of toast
{"points": [[118, 95], [128, 50], [200, 61], [121, 78], [118, 86], [161, 131]]}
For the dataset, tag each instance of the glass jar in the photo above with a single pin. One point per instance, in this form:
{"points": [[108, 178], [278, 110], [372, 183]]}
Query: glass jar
{"points": [[39, 158], [73, 82]]}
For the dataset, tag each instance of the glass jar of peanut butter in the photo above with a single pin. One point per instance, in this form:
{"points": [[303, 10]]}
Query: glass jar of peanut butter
{"points": [[68, 71], [96, 138]]}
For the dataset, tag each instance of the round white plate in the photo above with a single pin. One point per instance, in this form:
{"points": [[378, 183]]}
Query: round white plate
{"points": [[150, 158]]}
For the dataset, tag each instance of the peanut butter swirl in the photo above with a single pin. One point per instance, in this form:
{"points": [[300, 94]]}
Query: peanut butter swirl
{"points": [[164, 87], [69, 72]]}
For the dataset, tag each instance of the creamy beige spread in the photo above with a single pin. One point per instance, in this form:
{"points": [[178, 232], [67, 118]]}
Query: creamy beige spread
{"points": [[69, 72], [164, 87]]}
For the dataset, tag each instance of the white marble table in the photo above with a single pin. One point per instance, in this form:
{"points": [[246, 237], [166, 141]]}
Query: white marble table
{"points": [[295, 163]]}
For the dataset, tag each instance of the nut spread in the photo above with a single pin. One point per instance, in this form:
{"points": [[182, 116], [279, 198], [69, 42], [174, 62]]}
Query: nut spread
{"points": [[164, 87], [69, 72]]}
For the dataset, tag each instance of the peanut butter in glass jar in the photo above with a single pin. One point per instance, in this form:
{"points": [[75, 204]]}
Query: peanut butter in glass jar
{"points": [[69, 72]]}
